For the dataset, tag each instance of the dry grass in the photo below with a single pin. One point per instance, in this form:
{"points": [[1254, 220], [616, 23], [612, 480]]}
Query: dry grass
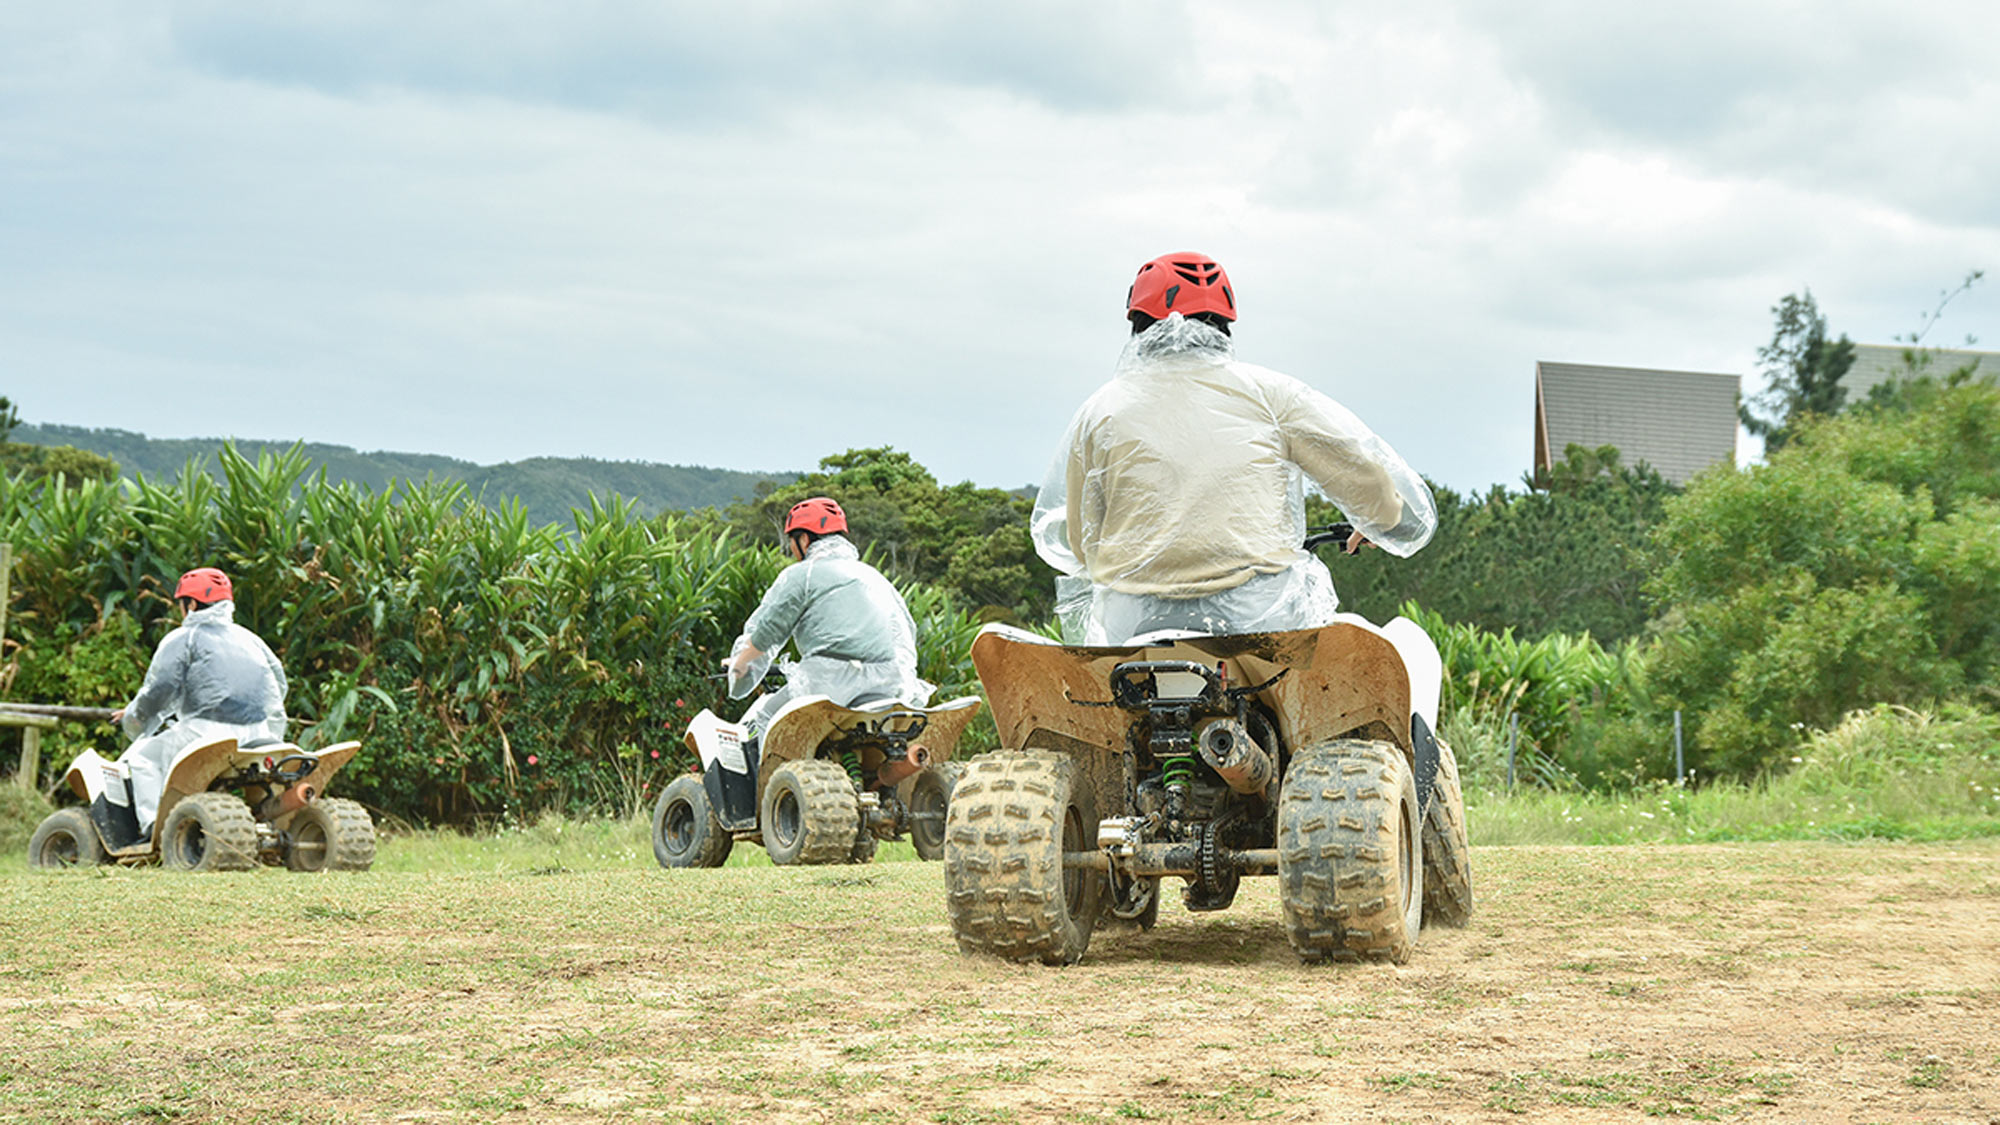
{"points": [[1781, 982]]}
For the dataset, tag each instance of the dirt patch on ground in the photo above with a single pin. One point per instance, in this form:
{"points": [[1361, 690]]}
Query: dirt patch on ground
{"points": [[1784, 983]]}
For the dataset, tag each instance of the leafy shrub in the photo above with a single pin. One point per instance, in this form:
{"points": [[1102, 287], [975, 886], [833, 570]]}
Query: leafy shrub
{"points": [[1861, 565]]}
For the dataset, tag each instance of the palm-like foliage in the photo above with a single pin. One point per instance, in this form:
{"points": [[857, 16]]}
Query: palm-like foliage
{"points": [[492, 665]]}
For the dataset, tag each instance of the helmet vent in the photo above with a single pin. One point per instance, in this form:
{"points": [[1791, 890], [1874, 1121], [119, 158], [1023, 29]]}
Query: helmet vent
{"points": [[1171, 294]]}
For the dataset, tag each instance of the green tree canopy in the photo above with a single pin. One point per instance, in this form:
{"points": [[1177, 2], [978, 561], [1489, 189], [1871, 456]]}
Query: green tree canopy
{"points": [[971, 541], [1804, 369], [1860, 565], [1561, 557], [64, 462]]}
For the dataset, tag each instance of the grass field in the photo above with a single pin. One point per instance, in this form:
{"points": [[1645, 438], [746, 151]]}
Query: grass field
{"points": [[556, 974]]}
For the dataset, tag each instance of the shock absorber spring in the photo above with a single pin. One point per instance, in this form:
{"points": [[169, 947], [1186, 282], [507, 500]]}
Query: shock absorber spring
{"points": [[851, 762], [1177, 772]]}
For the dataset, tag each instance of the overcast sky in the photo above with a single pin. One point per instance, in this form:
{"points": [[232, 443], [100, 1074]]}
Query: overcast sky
{"points": [[751, 234]]}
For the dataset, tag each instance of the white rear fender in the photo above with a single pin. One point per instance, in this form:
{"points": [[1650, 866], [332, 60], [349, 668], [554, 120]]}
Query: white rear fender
{"points": [[1422, 662]]}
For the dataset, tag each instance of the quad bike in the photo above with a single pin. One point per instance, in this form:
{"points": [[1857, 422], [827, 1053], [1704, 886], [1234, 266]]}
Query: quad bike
{"points": [[225, 808], [1308, 754], [823, 786]]}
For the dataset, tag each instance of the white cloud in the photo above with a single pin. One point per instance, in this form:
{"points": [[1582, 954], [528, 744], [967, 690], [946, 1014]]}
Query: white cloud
{"points": [[750, 235]]}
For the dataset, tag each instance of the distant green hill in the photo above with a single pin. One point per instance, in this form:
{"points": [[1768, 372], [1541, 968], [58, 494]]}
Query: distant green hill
{"points": [[549, 486]]}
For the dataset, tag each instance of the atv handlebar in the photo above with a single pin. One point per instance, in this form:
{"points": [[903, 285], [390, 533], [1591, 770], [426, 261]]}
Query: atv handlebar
{"points": [[1338, 533]]}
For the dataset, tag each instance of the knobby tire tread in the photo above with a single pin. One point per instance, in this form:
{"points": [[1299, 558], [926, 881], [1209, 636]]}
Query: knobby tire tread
{"points": [[1339, 870], [229, 833], [1003, 859], [828, 813], [1447, 854], [711, 842]]}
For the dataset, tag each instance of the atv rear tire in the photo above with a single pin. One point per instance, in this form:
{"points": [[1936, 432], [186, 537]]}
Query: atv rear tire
{"points": [[685, 831], [1012, 816], [66, 838], [209, 832], [331, 834], [810, 813], [1350, 863], [1447, 856], [930, 801]]}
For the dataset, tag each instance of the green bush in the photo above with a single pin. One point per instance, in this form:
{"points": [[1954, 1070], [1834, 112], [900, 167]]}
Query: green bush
{"points": [[1861, 565]]}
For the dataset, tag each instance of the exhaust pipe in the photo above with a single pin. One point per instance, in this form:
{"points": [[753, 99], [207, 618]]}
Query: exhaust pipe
{"points": [[290, 801], [1228, 749], [896, 769]]}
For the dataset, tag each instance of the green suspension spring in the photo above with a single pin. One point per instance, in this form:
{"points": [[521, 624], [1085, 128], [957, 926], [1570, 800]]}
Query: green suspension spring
{"points": [[1177, 772], [851, 762]]}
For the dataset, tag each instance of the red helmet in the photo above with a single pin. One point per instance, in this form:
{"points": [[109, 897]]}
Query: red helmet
{"points": [[206, 585], [819, 515], [1181, 283]]}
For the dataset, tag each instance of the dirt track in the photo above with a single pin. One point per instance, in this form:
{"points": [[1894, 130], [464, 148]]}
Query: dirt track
{"points": [[1776, 983]]}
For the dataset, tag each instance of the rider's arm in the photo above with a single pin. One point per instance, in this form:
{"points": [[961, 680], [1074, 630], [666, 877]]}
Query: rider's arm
{"points": [[1388, 503], [161, 689], [770, 626]]}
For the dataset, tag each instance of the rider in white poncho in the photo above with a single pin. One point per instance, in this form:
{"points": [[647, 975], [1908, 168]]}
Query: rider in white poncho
{"points": [[856, 640], [210, 678], [1178, 498]]}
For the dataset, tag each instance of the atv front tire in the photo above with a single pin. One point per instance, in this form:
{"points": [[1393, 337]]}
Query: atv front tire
{"points": [[1447, 856], [1012, 816], [685, 831], [810, 813], [66, 838], [331, 834], [1350, 864], [209, 832], [930, 800]]}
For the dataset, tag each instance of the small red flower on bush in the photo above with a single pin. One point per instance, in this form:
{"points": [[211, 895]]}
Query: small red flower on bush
{"points": [[532, 759]]}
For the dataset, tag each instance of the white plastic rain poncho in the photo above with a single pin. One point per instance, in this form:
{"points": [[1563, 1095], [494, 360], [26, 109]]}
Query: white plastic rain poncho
{"points": [[1178, 498], [210, 678], [855, 637]]}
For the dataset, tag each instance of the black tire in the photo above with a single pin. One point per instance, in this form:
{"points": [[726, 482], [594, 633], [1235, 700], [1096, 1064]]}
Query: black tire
{"points": [[1447, 855], [1012, 816], [66, 838], [209, 832], [930, 801], [685, 831], [331, 834], [810, 813], [1350, 856]]}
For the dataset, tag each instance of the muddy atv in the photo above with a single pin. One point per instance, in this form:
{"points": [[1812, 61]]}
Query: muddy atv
{"points": [[823, 785], [1308, 755], [225, 808]]}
